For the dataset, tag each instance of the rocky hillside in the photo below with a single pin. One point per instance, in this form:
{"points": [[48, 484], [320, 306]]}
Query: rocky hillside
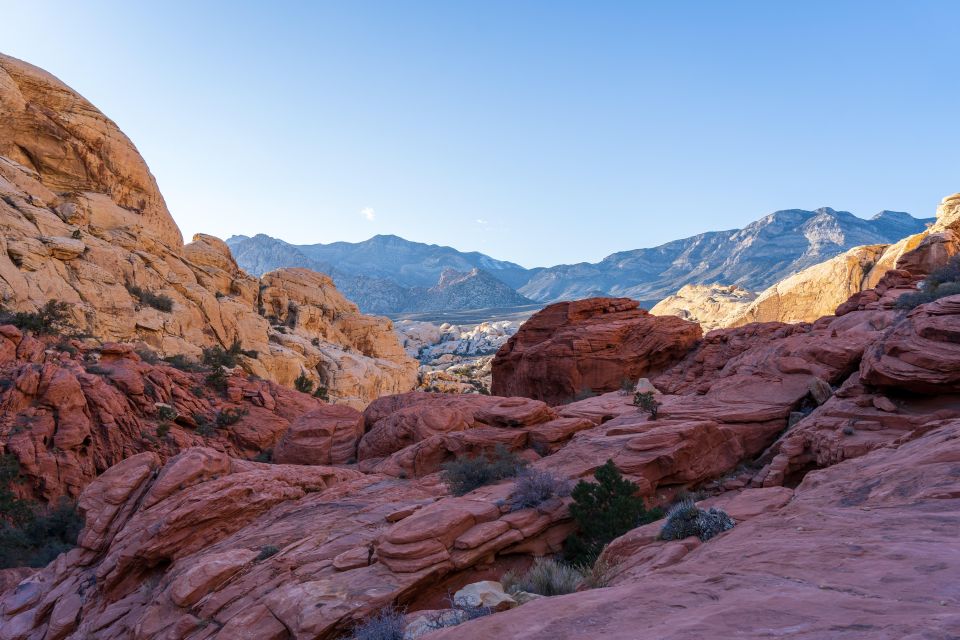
{"points": [[753, 258], [837, 440], [84, 223]]}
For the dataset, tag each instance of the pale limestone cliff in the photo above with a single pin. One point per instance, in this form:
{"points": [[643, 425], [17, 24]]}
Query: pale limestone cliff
{"points": [[83, 222], [712, 305]]}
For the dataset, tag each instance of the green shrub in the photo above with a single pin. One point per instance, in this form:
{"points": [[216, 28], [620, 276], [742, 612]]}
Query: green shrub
{"points": [[264, 456], [322, 393], [217, 379], [266, 552], [147, 355], [204, 428], [228, 417], [158, 301], [546, 577], [303, 384], [646, 401], [941, 283], [603, 510], [685, 519], [50, 318], [163, 429], [32, 534], [166, 412], [183, 363], [463, 475]]}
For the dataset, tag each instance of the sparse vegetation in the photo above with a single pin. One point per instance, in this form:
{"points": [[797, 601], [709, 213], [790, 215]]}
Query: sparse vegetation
{"points": [[166, 412], [217, 356], [648, 402], [303, 384], [264, 456], [51, 318], [32, 534], [204, 428], [604, 510], [463, 475], [183, 363], [546, 577], [158, 301], [583, 394], [266, 552], [163, 429], [217, 379], [147, 355], [386, 624], [229, 417], [685, 519], [322, 393], [534, 487], [941, 282]]}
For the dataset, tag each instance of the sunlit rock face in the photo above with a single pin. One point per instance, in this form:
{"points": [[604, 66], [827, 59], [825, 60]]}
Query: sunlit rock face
{"points": [[83, 222]]}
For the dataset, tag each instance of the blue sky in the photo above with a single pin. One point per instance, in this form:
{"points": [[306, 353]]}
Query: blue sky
{"points": [[538, 132]]}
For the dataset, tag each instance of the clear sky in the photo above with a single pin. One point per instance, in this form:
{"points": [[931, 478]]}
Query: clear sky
{"points": [[538, 132]]}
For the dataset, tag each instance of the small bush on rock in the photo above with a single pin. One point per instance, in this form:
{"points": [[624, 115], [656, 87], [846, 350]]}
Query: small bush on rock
{"points": [[386, 624], [463, 475], [303, 384], [685, 519], [229, 417], [31, 534], [158, 301], [646, 401], [941, 283], [50, 318], [546, 577], [166, 412], [266, 552], [603, 510], [534, 487], [183, 363], [218, 379]]}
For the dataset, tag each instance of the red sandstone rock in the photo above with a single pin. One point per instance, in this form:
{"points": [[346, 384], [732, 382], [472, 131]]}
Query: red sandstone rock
{"points": [[921, 353], [588, 346], [326, 435], [836, 561], [67, 418]]}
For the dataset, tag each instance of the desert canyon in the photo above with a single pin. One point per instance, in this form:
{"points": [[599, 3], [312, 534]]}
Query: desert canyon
{"points": [[251, 460]]}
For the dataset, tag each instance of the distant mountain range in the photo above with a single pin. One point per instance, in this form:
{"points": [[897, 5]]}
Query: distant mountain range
{"points": [[390, 275]]}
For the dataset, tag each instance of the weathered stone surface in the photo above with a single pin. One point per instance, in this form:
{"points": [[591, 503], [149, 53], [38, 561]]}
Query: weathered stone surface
{"points": [[921, 353], [851, 535], [586, 347], [69, 415], [83, 222], [326, 435], [712, 306]]}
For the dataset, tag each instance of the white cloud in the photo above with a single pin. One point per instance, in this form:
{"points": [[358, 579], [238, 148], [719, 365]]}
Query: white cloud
{"points": [[368, 213], [482, 221]]}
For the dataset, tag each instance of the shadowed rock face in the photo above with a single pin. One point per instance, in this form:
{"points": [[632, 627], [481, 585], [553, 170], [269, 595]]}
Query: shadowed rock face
{"points": [[82, 221], [572, 349]]}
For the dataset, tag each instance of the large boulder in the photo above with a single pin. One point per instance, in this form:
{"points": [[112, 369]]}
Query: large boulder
{"points": [[573, 349]]}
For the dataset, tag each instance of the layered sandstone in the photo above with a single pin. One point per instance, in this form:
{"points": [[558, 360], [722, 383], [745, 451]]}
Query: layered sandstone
{"points": [[83, 222], [575, 349]]}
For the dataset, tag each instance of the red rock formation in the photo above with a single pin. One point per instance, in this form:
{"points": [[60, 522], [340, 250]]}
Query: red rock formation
{"points": [[586, 347], [842, 558], [68, 417], [326, 435]]}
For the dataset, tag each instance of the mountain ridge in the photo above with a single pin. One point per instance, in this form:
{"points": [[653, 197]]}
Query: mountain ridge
{"points": [[388, 274]]}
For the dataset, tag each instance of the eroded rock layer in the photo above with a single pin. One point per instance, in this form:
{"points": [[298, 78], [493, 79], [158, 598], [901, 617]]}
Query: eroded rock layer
{"points": [[83, 222]]}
